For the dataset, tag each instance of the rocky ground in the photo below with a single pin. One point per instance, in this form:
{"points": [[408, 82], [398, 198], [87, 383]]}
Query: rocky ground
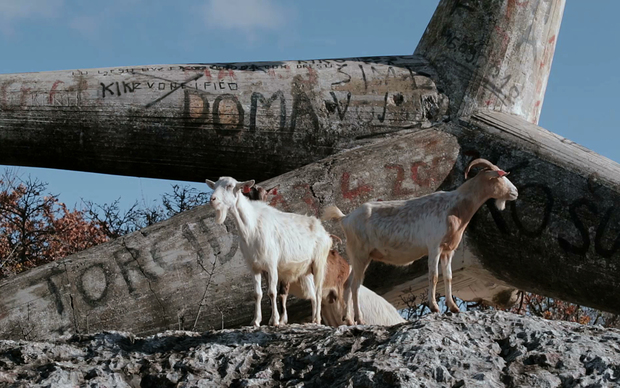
{"points": [[471, 349]]}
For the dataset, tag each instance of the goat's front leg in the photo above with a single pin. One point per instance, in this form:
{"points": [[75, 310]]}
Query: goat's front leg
{"points": [[283, 294], [446, 268], [433, 270], [272, 274], [258, 295]]}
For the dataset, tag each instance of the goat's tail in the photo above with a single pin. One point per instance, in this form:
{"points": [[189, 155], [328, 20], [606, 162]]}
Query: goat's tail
{"points": [[332, 213]]}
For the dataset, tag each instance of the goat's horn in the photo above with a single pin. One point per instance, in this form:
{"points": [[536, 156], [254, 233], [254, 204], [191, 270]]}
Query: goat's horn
{"points": [[480, 162], [334, 237]]}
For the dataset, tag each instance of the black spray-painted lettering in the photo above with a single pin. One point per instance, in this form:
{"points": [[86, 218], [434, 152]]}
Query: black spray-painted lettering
{"points": [[337, 105], [583, 231], [223, 118], [600, 232], [84, 284], [266, 104], [106, 88], [127, 260], [546, 215]]}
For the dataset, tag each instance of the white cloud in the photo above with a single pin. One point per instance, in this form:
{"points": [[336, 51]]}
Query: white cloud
{"points": [[21, 9], [246, 15], [13, 10]]}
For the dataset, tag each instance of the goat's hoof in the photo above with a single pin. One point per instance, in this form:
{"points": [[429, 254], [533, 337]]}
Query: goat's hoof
{"points": [[455, 310], [435, 308], [256, 324]]}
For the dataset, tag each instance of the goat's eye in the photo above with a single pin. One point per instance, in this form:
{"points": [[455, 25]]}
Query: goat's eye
{"points": [[230, 187]]}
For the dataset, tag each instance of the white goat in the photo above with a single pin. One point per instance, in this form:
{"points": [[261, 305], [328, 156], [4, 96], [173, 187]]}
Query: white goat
{"points": [[283, 245], [400, 232], [376, 310]]}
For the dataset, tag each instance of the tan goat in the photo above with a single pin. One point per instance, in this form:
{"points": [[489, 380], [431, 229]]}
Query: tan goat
{"points": [[400, 232]]}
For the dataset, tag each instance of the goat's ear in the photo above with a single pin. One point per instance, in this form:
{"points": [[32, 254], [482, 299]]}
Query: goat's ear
{"points": [[273, 190], [245, 186], [211, 184], [500, 173]]}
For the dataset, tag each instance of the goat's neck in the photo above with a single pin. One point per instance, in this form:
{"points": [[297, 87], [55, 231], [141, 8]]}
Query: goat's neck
{"points": [[245, 216], [472, 195]]}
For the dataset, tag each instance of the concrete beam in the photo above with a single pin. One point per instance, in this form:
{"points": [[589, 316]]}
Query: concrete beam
{"points": [[197, 121]]}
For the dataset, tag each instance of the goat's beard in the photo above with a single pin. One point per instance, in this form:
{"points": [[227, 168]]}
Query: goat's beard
{"points": [[220, 216], [500, 204]]}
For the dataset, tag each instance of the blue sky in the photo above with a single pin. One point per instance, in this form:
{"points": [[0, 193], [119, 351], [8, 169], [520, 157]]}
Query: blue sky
{"points": [[42, 35]]}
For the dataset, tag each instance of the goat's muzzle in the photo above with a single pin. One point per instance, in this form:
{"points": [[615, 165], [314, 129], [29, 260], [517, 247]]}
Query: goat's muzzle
{"points": [[513, 195]]}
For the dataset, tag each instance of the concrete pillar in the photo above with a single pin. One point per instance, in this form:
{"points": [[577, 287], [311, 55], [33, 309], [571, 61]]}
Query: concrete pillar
{"points": [[493, 54]]}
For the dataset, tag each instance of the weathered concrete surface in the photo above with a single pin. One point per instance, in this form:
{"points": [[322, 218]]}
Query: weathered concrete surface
{"points": [[196, 121], [493, 54], [472, 349]]}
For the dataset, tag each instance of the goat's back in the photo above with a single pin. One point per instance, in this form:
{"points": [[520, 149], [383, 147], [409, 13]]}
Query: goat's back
{"points": [[376, 310], [293, 239], [404, 226]]}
